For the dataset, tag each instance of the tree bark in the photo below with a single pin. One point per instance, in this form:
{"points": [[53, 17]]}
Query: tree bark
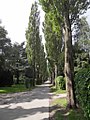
{"points": [[34, 73], [17, 75], [56, 70], [69, 67], [53, 78]]}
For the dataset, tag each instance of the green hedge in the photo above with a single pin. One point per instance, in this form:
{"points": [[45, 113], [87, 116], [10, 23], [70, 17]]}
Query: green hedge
{"points": [[60, 83], [82, 90]]}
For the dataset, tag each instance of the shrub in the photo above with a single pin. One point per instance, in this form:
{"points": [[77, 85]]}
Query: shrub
{"points": [[6, 78], [60, 83], [82, 90]]}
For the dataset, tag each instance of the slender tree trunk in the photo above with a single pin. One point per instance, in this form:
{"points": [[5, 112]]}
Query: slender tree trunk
{"points": [[69, 67], [39, 79], [51, 79], [34, 71], [56, 70], [17, 74], [53, 82]]}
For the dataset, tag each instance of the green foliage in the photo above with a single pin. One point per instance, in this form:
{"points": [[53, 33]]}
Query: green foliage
{"points": [[82, 87], [60, 83], [82, 34], [58, 8], [60, 111], [6, 78], [53, 43], [5, 49], [33, 39], [34, 47], [32, 35], [65, 13], [3, 32]]}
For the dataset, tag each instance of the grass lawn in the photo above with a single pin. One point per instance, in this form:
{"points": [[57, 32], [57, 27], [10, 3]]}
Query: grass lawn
{"points": [[69, 115], [13, 89], [58, 106], [55, 91], [60, 102], [61, 113]]}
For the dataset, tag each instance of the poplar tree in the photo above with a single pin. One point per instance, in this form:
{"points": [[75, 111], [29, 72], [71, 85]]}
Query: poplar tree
{"points": [[66, 12], [53, 45], [32, 36], [34, 48]]}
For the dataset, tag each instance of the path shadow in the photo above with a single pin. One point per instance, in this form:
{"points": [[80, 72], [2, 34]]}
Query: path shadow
{"points": [[26, 98], [41, 92], [19, 112], [58, 112]]}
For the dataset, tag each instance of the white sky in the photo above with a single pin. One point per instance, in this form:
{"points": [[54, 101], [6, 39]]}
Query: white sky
{"points": [[15, 16], [88, 16]]}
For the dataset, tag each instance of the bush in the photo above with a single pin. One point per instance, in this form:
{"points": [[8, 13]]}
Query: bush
{"points": [[6, 78], [82, 90], [60, 83]]}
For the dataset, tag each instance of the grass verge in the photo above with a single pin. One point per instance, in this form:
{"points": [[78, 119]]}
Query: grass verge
{"points": [[60, 102], [55, 91], [13, 89], [61, 113], [58, 109]]}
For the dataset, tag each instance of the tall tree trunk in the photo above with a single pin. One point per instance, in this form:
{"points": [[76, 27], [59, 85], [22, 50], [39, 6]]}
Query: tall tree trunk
{"points": [[56, 70], [17, 75], [34, 70], [53, 82], [69, 67], [39, 78], [51, 79]]}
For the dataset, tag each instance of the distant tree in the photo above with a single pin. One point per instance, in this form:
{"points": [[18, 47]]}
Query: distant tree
{"points": [[33, 39], [43, 65], [82, 42], [12, 56], [5, 48], [6, 77], [18, 59], [82, 36], [53, 45]]}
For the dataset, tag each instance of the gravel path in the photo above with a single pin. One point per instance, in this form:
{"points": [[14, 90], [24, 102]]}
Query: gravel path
{"points": [[31, 105]]}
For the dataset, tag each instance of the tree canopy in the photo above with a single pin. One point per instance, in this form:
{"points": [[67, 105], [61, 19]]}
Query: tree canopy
{"points": [[65, 13], [34, 47]]}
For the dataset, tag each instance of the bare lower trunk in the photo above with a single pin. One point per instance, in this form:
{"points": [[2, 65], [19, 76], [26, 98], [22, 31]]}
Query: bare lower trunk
{"points": [[53, 78], [34, 74], [69, 68], [17, 74], [56, 70]]}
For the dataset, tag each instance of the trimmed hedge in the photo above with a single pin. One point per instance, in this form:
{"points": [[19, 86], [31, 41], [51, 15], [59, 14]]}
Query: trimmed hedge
{"points": [[60, 83], [82, 90]]}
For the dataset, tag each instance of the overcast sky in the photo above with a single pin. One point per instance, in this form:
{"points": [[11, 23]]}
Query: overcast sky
{"points": [[15, 16]]}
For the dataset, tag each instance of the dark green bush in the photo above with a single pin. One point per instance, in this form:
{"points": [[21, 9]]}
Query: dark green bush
{"points": [[60, 83], [6, 78], [82, 90]]}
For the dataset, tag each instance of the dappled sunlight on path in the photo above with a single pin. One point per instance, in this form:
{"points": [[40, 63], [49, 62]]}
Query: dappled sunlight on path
{"points": [[33, 105]]}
